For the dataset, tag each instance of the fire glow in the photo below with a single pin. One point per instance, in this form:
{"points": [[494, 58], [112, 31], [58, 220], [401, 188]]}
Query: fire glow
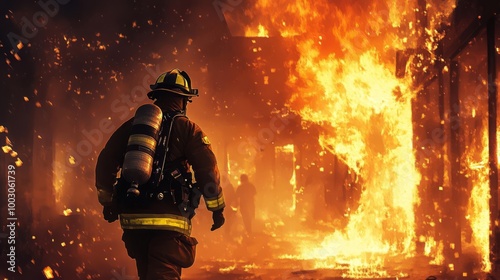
{"points": [[344, 81], [478, 210], [341, 80]]}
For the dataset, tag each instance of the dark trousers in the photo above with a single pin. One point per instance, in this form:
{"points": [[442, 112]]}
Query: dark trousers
{"points": [[248, 216], [159, 254]]}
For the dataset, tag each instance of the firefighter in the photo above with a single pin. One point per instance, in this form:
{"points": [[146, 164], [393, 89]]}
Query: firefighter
{"points": [[156, 216], [245, 194]]}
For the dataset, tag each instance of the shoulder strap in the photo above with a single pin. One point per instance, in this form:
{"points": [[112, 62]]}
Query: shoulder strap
{"points": [[171, 118], [162, 147]]}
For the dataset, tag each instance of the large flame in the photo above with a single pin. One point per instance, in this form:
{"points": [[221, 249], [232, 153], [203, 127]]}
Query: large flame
{"points": [[367, 121], [478, 210], [344, 81]]}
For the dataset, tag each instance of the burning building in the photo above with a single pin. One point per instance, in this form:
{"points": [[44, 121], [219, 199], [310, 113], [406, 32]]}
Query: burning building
{"points": [[368, 127]]}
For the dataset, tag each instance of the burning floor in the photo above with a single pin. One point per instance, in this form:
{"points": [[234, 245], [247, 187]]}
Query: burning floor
{"points": [[72, 250], [279, 252], [291, 269], [362, 172]]}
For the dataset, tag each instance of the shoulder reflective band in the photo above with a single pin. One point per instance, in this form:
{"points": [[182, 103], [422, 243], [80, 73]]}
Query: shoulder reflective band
{"points": [[215, 203], [156, 221]]}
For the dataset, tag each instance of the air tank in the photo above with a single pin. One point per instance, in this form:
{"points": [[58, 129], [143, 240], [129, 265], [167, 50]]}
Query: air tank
{"points": [[138, 162]]}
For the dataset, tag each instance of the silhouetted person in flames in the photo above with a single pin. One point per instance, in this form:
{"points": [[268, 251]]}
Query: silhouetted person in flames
{"points": [[245, 195]]}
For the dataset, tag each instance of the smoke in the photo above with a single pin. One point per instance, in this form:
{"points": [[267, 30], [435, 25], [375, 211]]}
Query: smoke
{"points": [[93, 64]]}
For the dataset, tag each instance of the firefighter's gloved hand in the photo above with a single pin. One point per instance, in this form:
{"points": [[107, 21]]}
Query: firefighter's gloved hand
{"points": [[110, 212], [218, 219]]}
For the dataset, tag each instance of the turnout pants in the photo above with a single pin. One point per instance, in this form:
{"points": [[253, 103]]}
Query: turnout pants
{"points": [[159, 254]]}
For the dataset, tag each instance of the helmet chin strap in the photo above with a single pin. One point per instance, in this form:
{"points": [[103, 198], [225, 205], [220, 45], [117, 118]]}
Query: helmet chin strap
{"points": [[184, 104]]}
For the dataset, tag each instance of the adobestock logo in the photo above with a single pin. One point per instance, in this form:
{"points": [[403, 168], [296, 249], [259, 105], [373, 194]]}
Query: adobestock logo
{"points": [[122, 108], [123, 275], [266, 135], [222, 6], [29, 28]]}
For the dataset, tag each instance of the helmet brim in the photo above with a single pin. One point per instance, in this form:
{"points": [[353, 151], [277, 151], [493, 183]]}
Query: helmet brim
{"points": [[174, 91]]}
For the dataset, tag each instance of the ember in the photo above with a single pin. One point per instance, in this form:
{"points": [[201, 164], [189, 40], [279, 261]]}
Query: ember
{"points": [[369, 129]]}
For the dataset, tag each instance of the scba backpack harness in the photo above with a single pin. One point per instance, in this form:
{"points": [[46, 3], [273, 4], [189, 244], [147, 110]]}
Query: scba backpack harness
{"points": [[146, 174]]}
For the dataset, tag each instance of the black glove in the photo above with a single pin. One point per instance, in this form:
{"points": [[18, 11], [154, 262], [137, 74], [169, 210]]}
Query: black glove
{"points": [[110, 212], [218, 218]]}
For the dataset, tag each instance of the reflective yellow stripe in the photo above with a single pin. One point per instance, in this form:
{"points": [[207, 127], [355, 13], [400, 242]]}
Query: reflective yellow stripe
{"points": [[161, 78], [215, 203], [143, 140], [156, 221], [179, 79]]}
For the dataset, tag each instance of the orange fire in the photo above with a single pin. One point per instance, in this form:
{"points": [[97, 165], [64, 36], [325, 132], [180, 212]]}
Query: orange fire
{"points": [[344, 81], [67, 212], [48, 272], [478, 210], [259, 32]]}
